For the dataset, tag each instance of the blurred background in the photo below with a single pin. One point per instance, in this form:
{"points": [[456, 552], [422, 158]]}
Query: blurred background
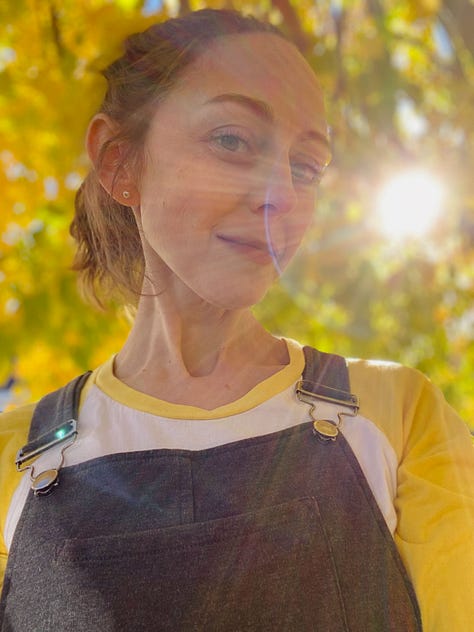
{"points": [[387, 271]]}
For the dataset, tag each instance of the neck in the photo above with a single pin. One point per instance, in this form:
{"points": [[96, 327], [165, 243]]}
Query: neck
{"points": [[178, 343]]}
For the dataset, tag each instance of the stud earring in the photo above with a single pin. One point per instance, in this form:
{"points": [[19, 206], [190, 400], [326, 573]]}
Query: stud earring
{"points": [[126, 194]]}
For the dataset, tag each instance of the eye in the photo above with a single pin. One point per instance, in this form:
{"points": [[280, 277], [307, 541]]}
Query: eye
{"points": [[231, 140], [307, 173]]}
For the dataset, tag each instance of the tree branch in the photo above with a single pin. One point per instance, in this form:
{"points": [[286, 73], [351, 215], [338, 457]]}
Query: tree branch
{"points": [[292, 22]]}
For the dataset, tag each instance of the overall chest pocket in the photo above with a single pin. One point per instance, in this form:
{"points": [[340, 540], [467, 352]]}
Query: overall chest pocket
{"points": [[271, 569]]}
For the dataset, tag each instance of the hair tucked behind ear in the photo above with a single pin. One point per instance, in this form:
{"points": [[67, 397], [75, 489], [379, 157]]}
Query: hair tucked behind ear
{"points": [[109, 255]]}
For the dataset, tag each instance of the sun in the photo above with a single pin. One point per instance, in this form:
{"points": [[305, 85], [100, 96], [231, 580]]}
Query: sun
{"points": [[408, 204]]}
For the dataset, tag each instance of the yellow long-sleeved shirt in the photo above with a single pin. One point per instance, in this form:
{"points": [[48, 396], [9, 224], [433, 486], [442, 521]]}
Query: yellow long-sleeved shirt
{"points": [[416, 453]]}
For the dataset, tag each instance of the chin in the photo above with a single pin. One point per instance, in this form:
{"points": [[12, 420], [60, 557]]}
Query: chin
{"points": [[241, 299]]}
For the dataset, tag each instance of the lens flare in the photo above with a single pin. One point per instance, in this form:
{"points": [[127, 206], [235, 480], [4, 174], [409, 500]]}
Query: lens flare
{"points": [[268, 237], [409, 204]]}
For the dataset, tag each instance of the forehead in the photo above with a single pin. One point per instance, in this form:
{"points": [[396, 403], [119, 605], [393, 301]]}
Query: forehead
{"points": [[262, 66]]}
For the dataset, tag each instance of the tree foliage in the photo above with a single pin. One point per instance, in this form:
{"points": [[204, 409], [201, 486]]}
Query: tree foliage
{"points": [[398, 75]]}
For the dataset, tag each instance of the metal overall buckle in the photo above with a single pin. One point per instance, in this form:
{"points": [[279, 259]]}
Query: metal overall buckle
{"points": [[44, 482], [327, 429]]}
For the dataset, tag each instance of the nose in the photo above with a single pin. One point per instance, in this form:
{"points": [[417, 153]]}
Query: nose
{"points": [[274, 189]]}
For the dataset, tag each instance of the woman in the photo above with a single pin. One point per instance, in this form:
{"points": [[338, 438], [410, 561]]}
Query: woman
{"points": [[218, 477]]}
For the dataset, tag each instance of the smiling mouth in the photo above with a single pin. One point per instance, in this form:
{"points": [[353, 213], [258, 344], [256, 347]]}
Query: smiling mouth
{"points": [[254, 249], [258, 245]]}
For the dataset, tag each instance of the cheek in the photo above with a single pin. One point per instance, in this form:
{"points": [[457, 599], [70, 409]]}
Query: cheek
{"points": [[295, 229], [161, 218], [299, 221], [176, 226]]}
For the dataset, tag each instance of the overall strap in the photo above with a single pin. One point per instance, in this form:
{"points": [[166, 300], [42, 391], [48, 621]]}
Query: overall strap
{"points": [[326, 377], [57, 407]]}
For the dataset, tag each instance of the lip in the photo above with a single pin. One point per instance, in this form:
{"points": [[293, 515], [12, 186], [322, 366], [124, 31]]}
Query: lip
{"points": [[253, 249]]}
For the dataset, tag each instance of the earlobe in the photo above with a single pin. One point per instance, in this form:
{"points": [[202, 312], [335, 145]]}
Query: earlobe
{"points": [[107, 158]]}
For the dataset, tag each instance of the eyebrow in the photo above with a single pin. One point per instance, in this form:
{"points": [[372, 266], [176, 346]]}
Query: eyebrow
{"points": [[260, 108], [265, 112]]}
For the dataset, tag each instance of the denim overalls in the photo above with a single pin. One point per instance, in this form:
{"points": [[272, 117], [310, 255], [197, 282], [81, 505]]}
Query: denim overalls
{"points": [[276, 532]]}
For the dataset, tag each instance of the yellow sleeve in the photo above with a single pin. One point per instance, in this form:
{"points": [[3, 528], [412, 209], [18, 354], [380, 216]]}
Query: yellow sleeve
{"points": [[14, 427], [435, 492]]}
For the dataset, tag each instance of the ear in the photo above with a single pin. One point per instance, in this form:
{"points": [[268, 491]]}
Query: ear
{"points": [[108, 160]]}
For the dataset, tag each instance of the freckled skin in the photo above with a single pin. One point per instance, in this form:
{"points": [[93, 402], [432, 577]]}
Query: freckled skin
{"points": [[197, 190]]}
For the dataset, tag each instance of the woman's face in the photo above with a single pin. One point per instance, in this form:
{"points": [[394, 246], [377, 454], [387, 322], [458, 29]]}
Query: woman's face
{"points": [[232, 161]]}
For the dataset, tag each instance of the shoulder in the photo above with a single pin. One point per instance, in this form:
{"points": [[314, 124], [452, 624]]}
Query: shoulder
{"points": [[404, 404], [392, 377], [14, 427], [388, 387], [17, 418]]}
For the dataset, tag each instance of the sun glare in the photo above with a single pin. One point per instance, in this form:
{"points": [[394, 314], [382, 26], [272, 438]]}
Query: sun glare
{"points": [[409, 204]]}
